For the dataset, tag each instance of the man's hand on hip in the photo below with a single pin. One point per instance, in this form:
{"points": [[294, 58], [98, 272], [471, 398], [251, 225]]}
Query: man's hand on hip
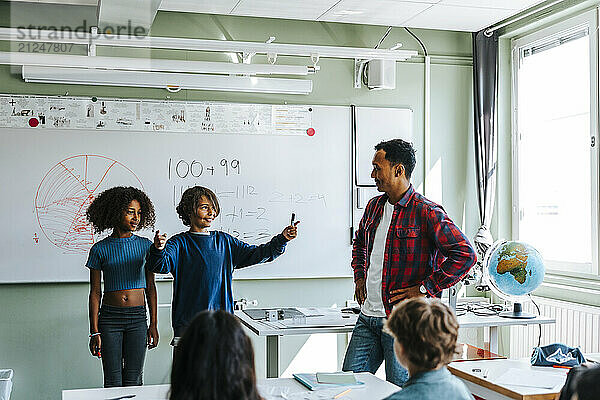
{"points": [[406, 293], [360, 291]]}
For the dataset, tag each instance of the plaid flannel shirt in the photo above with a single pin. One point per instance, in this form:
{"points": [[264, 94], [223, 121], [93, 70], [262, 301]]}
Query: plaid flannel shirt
{"points": [[423, 246]]}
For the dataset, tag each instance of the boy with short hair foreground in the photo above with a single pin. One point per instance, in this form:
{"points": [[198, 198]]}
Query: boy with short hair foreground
{"points": [[425, 333]]}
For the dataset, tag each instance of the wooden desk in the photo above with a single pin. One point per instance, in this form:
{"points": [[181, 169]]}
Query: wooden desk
{"points": [[468, 352], [270, 389], [485, 387], [272, 334]]}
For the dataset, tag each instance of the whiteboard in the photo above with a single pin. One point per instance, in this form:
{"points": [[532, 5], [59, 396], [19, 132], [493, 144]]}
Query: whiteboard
{"points": [[259, 179], [374, 125]]}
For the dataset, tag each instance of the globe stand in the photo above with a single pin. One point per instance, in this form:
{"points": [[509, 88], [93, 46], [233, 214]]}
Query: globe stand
{"points": [[517, 313]]}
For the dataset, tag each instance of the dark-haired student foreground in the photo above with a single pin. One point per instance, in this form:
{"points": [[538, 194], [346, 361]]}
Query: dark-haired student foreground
{"points": [[425, 333], [583, 383], [202, 261], [214, 361]]}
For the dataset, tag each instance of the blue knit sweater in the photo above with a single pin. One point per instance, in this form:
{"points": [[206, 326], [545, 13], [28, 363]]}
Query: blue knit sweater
{"points": [[121, 260], [202, 267]]}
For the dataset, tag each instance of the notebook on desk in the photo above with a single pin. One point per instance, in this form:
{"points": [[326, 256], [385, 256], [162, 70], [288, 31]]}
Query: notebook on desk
{"points": [[312, 383], [593, 357]]}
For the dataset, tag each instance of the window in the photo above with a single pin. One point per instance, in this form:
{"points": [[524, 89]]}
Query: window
{"points": [[555, 188]]}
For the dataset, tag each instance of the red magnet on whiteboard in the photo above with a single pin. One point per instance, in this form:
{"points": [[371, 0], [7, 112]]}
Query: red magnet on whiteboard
{"points": [[310, 131], [33, 122]]}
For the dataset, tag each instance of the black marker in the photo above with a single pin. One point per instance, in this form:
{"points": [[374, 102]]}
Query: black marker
{"points": [[293, 218], [127, 396]]}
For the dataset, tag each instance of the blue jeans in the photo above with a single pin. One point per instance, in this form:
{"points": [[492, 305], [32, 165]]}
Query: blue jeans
{"points": [[368, 348], [123, 334]]}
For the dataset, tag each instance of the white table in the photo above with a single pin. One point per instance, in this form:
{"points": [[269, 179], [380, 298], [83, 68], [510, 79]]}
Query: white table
{"points": [[592, 357], [374, 389], [488, 388], [263, 328], [470, 320], [273, 334]]}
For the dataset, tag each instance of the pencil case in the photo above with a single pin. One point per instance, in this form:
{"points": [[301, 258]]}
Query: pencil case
{"points": [[556, 354]]}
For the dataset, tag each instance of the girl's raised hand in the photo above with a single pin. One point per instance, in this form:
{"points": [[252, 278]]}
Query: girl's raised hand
{"points": [[290, 232], [160, 240]]}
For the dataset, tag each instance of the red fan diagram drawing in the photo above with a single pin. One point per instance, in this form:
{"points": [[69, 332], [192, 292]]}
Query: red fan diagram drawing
{"points": [[67, 190]]}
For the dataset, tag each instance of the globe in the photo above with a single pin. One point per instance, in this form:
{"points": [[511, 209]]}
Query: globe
{"points": [[513, 270]]}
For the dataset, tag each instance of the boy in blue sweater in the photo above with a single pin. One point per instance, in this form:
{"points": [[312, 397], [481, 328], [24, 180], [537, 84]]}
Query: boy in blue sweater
{"points": [[202, 261]]}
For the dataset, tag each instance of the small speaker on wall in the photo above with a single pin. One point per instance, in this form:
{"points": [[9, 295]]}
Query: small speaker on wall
{"points": [[381, 74]]}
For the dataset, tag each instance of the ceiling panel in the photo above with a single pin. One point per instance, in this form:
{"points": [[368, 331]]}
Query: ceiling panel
{"points": [[376, 12], [458, 18], [461, 15], [504, 4], [199, 6], [290, 9]]}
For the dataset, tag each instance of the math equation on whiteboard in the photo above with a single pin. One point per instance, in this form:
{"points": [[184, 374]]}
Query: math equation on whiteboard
{"points": [[180, 168]]}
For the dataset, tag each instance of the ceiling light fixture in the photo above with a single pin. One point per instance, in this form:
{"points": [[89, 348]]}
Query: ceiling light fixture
{"points": [[164, 80], [155, 64]]}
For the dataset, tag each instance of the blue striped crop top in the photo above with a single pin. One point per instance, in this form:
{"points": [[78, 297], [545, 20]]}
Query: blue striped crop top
{"points": [[121, 260]]}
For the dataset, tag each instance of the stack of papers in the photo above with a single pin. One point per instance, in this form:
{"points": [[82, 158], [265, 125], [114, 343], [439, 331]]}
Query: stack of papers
{"points": [[316, 318], [328, 380], [533, 378]]}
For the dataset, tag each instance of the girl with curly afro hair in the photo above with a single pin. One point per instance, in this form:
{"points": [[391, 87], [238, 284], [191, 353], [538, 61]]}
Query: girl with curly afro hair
{"points": [[202, 260], [119, 332]]}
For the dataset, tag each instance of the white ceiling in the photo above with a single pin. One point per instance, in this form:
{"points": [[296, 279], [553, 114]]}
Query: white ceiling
{"points": [[460, 15]]}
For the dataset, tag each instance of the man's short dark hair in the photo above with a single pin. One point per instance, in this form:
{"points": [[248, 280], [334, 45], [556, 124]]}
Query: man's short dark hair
{"points": [[397, 151]]}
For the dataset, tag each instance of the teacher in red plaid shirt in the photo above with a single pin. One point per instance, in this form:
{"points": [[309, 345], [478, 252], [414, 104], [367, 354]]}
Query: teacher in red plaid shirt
{"points": [[405, 246]]}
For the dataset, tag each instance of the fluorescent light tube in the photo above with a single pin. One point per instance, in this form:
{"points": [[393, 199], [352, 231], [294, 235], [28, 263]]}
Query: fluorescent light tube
{"points": [[156, 64], [164, 80]]}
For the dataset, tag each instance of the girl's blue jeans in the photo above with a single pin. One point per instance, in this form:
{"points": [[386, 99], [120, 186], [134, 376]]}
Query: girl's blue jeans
{"points": [[123, 333]]}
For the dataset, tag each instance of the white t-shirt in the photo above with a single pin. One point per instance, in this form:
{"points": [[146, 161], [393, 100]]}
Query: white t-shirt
{"points": [[373, 305]]}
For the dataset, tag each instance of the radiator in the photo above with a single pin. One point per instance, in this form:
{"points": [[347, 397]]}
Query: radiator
{"points": [[576, 325]]}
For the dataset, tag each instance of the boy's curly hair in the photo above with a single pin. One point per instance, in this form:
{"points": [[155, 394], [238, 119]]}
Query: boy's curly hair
{"points": [[427, 330], [106, 211], [191, 198]]}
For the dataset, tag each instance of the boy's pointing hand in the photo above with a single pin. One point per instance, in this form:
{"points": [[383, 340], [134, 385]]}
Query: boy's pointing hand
{"points": [[160, 240], [290, 232]]}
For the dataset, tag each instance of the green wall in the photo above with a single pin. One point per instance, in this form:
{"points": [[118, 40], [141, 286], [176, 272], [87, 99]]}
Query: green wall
{"points": [[43, 327]]}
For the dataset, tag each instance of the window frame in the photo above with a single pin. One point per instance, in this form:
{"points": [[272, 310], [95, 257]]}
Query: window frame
{"points": [[544, 35]]}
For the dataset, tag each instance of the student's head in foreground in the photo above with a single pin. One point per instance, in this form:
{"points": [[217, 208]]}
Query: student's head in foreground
{"points": [[214, 360], [198, 207], [583, 383], [424, 332]]}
